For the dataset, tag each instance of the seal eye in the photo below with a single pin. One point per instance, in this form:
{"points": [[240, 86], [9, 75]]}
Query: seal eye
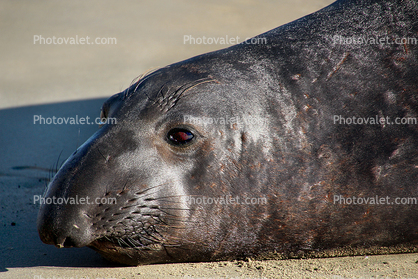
{"points": [[179, 136]]}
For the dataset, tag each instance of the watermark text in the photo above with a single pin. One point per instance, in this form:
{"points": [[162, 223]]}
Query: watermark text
{"points": [[40, 40], [376, 120], [189, 39], [365, 40], [72, 200], [77, 120], [375, 200], [71, 277], [225, 200], [234, 120]]}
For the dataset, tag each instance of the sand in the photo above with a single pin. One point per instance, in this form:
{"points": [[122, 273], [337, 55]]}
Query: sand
{"points": [[69, 80]]}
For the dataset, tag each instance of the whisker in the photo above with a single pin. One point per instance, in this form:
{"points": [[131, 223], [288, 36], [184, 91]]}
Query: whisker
{"points": [[101, 153], [149, 188], [174, 196], [147, 74], [172, 208], [130, 240]]}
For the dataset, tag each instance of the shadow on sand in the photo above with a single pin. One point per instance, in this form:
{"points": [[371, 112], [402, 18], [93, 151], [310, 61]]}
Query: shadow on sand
{"points": [[29, 153]]}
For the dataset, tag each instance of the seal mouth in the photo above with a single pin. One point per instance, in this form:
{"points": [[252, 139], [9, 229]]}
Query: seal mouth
{"points": [[124, 242], [125, 251], [112, 243]]}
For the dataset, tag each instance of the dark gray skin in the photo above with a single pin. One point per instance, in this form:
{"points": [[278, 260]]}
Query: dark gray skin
{"points": [[294, 155]]}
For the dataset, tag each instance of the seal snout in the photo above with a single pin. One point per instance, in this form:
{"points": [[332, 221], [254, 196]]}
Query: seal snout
{"points": [[64, 218], [62, 233], [63, 225], [62, 240]]}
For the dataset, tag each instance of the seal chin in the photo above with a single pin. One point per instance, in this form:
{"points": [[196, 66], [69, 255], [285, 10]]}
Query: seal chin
{"points": [[153, 253]]}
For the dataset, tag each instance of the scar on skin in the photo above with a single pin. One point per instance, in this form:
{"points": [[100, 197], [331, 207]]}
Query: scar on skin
{"points": [[338, 66]]}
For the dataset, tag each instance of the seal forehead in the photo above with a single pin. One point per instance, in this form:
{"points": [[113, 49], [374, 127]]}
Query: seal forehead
{"points": [[167, 97]]}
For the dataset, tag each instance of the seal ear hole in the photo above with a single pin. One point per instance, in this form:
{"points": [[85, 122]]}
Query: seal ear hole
{"points": [[180, 136], [103, 115]]}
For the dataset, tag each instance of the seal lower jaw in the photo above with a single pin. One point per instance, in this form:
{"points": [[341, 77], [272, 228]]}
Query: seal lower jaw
{"points": [[149, 254], [154, 253]]}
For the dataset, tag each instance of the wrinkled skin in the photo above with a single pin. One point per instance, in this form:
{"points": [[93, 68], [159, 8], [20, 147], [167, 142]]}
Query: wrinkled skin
{"points": [[291, 152]]}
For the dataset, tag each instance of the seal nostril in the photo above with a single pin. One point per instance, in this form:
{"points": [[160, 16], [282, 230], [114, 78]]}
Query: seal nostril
{"points": [[69, 243], [59, 242], [65, 242]]}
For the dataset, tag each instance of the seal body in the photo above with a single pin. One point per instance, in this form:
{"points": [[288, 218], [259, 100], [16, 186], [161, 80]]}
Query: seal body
{"points": [[257, 149]]}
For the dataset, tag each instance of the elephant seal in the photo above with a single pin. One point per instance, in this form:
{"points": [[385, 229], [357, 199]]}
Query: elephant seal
{"points": [[302, 146]]}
